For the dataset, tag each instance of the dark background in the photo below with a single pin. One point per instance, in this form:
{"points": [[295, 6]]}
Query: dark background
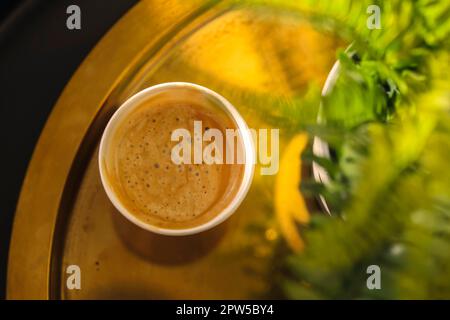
{"points": [[38, 55]]}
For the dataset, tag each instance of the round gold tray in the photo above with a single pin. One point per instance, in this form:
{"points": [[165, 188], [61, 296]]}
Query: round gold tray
{"points": [[64, 217]]}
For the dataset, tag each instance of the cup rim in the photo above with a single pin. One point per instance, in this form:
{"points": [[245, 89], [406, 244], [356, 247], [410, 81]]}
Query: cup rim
{"points": [[248, 146], [321, 147]]}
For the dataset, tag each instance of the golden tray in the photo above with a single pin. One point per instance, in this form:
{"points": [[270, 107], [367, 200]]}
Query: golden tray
{"points": [[63, 216]]}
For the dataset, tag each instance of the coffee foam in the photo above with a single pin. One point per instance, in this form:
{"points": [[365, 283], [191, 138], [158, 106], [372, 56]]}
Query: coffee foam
{"points": [[155, 189]]}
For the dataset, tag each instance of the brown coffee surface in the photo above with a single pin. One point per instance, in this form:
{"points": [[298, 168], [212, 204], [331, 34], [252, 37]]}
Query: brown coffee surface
{"points": [[155, 189]]}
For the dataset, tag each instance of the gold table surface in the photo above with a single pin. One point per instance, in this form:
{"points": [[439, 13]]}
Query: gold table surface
{"points": [[63, 215]]}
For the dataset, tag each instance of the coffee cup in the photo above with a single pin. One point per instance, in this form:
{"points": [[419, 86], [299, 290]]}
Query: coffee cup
{"points": [[161, 193]]}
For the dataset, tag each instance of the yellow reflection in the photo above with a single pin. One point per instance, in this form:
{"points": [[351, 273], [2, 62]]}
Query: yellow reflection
{"points": [[290, 206]]}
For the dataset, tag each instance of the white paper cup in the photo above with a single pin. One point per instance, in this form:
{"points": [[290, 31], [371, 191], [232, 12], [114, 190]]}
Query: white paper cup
{"points": [[195, 92]]}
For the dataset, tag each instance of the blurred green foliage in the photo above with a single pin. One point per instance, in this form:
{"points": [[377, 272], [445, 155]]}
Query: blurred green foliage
{"points": [[387, 119]]}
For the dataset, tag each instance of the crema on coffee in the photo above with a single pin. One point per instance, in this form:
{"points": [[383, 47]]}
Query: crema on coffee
{"points": [[140, 170]]}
